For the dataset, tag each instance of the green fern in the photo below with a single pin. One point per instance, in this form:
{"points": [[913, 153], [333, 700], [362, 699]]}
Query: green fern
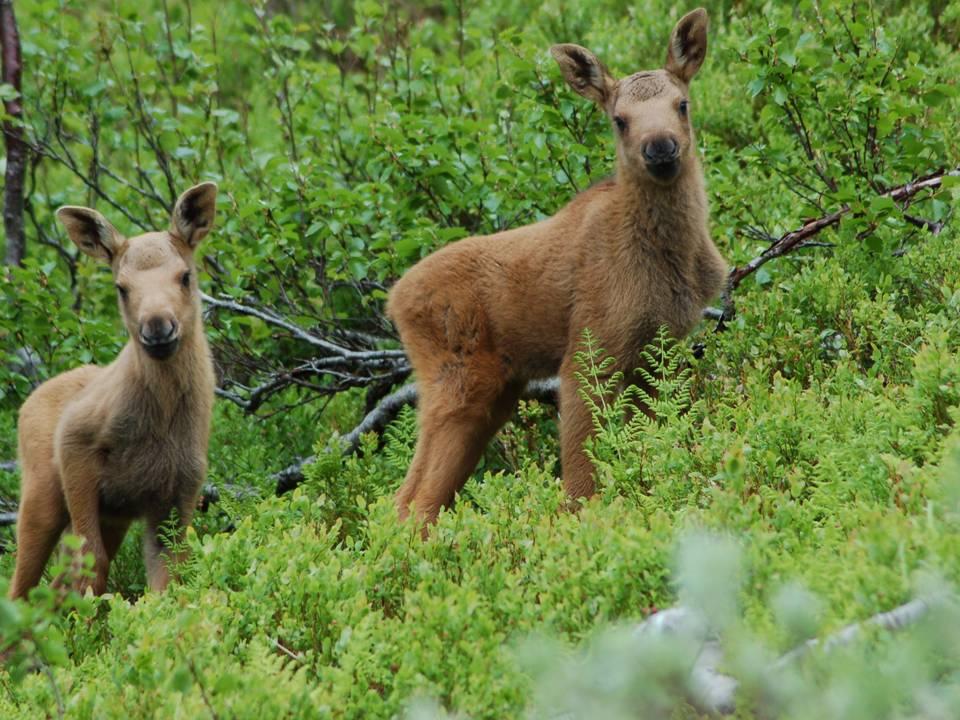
{"points": [[626, 417], [400, 440], [667, 377], [173, 538]]}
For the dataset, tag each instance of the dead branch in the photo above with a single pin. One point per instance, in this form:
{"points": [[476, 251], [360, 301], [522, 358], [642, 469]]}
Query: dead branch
{"points": [[343, 372], [336, 368], [272, 318], [891, 621], [12, 65]]}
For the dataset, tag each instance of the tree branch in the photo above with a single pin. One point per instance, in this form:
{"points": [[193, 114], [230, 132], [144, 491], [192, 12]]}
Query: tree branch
{"points": [[272, 318], [797, 238]]}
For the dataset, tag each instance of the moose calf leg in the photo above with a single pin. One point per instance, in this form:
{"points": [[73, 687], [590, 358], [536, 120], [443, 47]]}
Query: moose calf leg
{"points": [[113, 530], [80, 473], [40, 523], [576, 426], [158, 558], [451, 441]]}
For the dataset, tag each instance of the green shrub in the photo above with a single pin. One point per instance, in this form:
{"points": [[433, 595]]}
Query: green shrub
{"points": [[818, 432]]}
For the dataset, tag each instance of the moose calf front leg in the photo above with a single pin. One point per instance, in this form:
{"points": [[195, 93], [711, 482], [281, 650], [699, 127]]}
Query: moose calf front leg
{"points": [[576, 426], [80, 472], [160, 532]]}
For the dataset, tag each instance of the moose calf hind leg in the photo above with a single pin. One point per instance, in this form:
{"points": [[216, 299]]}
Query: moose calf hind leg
{"points": [[452, 440]]}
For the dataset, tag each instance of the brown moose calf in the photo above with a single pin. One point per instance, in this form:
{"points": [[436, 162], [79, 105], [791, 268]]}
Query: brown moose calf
{"points": [[484, 315], [102, 446]]}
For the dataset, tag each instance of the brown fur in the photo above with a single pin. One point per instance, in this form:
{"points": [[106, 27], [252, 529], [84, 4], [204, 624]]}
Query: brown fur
{"points": [[481, 317], [102, 446]]}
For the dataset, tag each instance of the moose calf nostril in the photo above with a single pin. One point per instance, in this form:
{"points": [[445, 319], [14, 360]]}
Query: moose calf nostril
{"points": [[157, 331], [661, 150]]}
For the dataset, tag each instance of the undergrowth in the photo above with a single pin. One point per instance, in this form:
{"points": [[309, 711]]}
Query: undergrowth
{"points": [[801, 473]]}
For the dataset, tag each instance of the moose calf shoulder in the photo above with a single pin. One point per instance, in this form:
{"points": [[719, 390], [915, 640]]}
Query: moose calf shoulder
{"points": [[485, 315], [100, 447]]}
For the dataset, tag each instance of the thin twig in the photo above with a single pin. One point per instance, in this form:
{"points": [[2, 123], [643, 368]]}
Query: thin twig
{"points": [[272, 318]]}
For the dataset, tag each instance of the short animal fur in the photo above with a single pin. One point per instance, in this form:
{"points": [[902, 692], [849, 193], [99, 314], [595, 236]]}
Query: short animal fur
{"points": [[102, 446], [482, 316]]}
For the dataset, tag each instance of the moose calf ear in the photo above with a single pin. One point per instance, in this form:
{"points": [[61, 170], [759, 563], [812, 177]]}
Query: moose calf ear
{"points": [[194, 212], [90, 231], [584, 72], [688, 45]]}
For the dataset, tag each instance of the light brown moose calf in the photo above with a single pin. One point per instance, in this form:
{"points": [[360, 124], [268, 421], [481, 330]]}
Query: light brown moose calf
{"points": [[484, 315], [102, 446]]}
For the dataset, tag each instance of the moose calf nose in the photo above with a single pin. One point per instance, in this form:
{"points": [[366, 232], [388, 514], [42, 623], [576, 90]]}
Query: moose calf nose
{"points": [[157, 331], [661, 150]]}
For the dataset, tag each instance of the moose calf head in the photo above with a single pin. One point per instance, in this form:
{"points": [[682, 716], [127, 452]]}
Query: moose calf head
{"points": [[155, 273], [650, 110]]}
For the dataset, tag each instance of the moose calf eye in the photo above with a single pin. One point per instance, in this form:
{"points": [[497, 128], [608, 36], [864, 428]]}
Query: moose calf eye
{"points": [[620, 123], [123, 292], [185, 280], [683, 108]]}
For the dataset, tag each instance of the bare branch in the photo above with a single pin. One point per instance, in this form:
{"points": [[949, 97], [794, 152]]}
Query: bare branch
{"points": [[272, 318]]}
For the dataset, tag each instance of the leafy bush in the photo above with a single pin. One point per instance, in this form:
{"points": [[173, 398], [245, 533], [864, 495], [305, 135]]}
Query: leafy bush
{"points": [[819, 432]]}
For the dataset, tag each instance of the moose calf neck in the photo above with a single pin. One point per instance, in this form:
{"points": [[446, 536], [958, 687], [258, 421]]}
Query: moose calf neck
{"points": [[102, 446], [482, 316]]}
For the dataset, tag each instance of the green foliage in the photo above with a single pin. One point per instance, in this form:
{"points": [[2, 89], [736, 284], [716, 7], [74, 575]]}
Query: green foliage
{"points": [[633, 422], [819, 432], [41, 634]]}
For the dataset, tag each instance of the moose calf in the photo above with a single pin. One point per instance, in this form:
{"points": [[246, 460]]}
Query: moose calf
{"points": [[102, 446], [482, 316]]}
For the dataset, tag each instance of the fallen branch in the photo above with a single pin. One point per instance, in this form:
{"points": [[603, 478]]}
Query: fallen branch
{"points": [[336, 368], [385, 411], [891, 621], [797, 238]]}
